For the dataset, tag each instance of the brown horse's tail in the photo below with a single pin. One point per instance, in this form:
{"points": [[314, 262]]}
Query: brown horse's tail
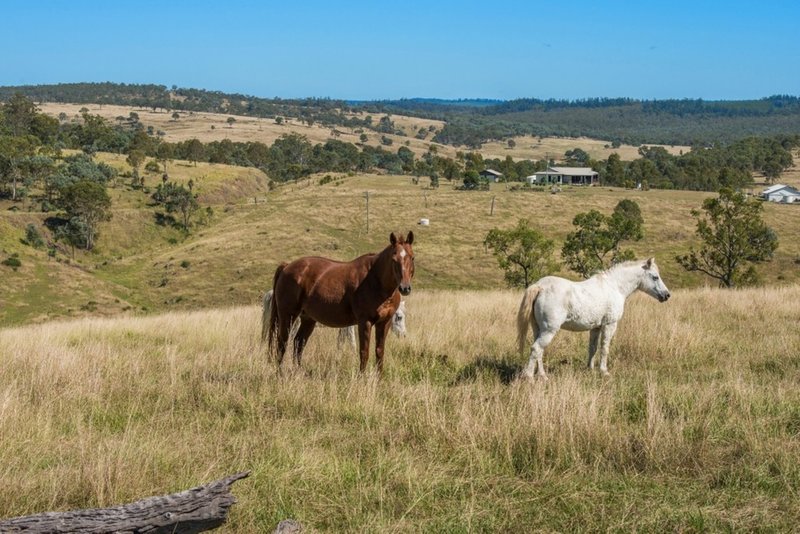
{"points": [[265, 313], [525, 316], [268, 330]]}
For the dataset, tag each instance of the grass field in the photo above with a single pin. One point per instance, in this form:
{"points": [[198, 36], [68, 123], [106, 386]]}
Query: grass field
{"points": [[697, 428]]}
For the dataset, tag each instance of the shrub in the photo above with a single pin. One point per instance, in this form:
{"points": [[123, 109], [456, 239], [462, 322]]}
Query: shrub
{"points": [[12, 261], [33, 237], [152, 166]]}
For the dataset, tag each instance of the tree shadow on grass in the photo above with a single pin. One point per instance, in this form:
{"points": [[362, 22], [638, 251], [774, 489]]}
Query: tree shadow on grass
{"points": [[506, 372], [164, 219], [54, 222]]}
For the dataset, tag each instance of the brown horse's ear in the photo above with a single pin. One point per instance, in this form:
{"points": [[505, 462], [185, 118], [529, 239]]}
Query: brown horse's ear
{"points": [[410, 238], [392, 239], [649, 263]]}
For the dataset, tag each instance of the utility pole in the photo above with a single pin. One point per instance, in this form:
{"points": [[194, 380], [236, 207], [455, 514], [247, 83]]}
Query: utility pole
{"points": [[491, 211]]}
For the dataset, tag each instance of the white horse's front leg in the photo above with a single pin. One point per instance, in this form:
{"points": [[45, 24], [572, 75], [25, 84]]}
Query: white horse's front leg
{"points": [[605, 342], [594, 336], [536, 361]]}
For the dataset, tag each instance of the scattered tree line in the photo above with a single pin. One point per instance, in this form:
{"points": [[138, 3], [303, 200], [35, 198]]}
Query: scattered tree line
{"points": [[733, 239], [700, 169], [73, 188]]}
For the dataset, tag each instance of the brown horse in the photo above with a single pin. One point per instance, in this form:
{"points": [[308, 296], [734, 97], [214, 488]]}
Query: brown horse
{"points": [[364, 292]]}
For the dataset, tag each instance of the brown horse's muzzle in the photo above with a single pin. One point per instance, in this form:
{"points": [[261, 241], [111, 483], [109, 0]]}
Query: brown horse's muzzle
{"points": [[405, 289]]}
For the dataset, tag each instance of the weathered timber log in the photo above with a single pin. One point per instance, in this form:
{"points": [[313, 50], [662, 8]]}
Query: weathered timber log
{"points": [[194, 510]]}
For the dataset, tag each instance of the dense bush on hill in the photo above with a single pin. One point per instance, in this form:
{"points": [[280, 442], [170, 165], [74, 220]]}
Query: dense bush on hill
{"points": [[684, 122]]}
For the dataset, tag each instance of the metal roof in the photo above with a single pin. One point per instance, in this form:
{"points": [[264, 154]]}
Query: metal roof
{"points": [[573, 171], [773, 188]]}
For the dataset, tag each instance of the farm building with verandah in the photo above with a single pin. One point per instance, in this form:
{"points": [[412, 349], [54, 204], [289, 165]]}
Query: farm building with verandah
{"points": [[491, 175], [565, 175]]}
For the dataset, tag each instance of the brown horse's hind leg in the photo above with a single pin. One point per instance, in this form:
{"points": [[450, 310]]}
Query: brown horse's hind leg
{"points": [[303, 333], [284, 325], [381, 331]]}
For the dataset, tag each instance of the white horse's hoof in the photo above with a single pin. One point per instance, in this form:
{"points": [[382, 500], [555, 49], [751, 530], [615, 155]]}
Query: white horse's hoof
{"points": [[605, 373], [527, 376]]}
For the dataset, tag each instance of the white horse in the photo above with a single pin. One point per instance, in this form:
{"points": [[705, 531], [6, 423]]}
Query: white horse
{"points": [[346, 335], [595, 304]]}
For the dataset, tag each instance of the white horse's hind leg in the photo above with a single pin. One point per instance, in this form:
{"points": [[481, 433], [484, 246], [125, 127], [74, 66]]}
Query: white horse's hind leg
{"points": [[536, 363], [605, 343], [346, 336], [594, 336]]}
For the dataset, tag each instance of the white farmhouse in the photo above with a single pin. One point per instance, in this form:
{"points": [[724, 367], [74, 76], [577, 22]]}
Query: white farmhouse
{"points": [[781, 193], [565, 175]]}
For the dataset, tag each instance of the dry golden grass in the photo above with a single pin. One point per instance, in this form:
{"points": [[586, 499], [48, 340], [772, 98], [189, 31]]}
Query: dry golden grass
{"points": [[199, 125], [533, 148], [697, 429]]}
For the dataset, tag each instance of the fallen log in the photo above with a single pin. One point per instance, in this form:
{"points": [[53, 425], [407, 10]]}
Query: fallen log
{"points": [[194, 510]]}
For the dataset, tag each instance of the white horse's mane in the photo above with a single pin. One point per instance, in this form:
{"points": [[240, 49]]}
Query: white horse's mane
{"points": [[616, 266]]}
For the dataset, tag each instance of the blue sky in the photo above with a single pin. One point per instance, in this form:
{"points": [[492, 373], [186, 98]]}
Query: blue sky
{"points": [[375, 50]]}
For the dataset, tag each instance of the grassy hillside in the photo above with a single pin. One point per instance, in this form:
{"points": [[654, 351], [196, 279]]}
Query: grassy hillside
{"points": [[696, 429], [470, 123], [140, 266], [208, 127]]}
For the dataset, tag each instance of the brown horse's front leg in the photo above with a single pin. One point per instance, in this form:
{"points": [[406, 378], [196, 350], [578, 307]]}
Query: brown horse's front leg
{"points": [[381, 331], [364, 332]]}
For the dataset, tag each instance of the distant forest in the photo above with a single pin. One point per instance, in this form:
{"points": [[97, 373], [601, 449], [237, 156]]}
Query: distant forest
{"points": [[472, 122]]}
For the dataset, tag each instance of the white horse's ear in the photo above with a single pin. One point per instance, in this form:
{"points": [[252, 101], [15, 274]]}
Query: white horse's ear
{"points": [[649, 263]]}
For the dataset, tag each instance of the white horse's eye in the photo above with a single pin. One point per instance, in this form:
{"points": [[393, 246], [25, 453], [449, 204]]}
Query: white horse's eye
{"points": [[655, 277]]}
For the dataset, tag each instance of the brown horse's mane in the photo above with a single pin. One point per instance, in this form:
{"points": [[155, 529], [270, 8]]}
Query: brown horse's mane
{"points": [[346, 261]]}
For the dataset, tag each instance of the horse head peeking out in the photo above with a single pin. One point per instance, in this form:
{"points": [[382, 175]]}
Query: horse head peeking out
{"points": [[364, 292]]}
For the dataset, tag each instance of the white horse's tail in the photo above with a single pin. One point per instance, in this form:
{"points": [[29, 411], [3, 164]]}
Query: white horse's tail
{"points": [[265, 315], [525, 316]]}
